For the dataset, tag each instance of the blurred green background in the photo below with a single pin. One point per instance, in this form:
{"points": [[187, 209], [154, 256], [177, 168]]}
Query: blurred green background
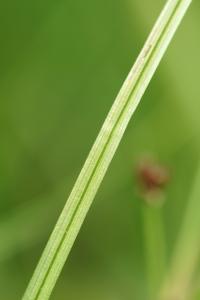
{"points": [[62, 64]]}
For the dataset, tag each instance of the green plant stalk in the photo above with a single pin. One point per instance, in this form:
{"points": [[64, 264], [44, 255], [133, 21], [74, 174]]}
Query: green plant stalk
{"points": [[93, 172], [187, 251], [155, 248]]}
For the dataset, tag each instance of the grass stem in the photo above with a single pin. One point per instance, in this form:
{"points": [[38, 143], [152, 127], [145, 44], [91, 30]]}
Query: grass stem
{"points": [[98, 161], [155, 248]]}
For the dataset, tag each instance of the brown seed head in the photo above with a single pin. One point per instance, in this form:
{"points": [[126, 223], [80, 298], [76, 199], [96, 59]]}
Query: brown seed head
{"points": [[153, 178]]}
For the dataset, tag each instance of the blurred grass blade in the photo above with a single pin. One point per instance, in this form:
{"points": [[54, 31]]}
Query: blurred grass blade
{"points": [[187, 251], [91, 176], [155, 248]]}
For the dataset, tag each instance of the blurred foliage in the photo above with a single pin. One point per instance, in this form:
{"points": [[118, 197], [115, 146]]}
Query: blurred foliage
{"points": [[62, 64]]}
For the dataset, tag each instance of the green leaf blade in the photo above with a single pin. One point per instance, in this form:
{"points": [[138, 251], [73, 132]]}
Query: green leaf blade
{"points": [[98, 161]]}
